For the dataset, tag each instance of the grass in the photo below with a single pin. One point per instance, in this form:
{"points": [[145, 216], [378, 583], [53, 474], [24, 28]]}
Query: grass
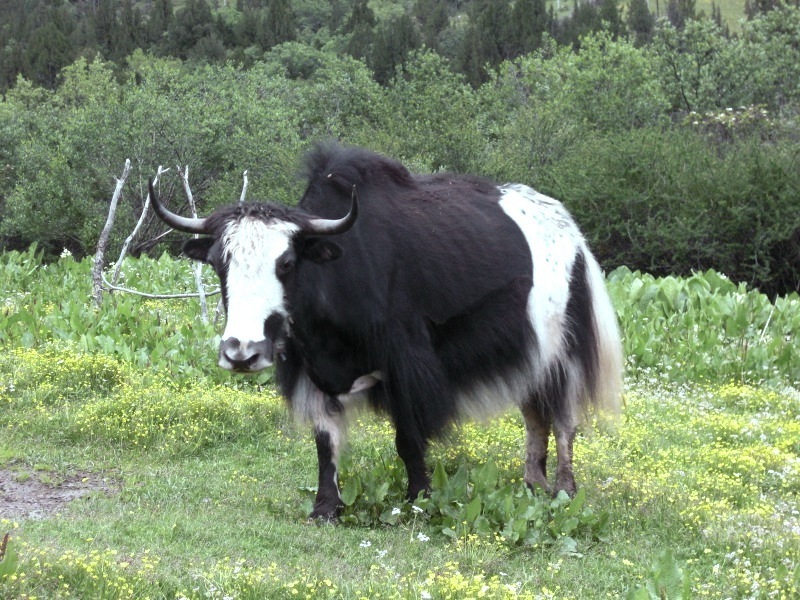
{"points": [[693, 493], [210, 500]]}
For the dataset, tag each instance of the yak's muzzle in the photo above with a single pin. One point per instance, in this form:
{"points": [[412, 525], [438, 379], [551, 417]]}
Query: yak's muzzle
{"points": [[245, 357]]}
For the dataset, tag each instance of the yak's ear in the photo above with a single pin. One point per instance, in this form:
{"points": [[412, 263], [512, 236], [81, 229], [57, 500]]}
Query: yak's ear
{"points": [[198, 248], [321, 250]]}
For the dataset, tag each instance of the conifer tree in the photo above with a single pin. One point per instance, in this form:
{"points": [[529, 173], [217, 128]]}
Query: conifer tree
{"points": [[129, 32], [48, 52], [393, 41], [486, 40], [161, 17], [584, 19], [529, 22], [680, 11], [610, 18], [280, 23], [191, 25], [433, 17], [105, 26], [360, 25], [641, 22]]}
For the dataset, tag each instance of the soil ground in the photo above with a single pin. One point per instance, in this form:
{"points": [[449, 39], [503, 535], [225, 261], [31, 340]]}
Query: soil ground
{"points": [[27, 493]]}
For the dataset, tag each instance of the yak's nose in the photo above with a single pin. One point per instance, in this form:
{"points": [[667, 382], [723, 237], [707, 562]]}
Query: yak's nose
{"points": [[247, 357]]}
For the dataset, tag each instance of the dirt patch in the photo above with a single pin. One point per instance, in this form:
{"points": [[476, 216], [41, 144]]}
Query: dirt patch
{"points": [[27, 493]]}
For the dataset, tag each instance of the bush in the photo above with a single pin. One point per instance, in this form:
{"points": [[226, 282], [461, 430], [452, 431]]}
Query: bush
{"points": [[676, 201]]}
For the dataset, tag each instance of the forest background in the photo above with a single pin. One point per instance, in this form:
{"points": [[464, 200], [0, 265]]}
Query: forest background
{"points": [[671, 133]]}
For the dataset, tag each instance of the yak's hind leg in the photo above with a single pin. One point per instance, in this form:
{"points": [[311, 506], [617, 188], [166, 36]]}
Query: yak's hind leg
{"points": [[556, 409], [537, 433], [537, 429], [564, 428]]}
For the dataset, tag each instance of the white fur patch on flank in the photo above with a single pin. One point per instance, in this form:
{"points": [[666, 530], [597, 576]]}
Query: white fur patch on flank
{"points": [[554, 240], [251, 247]]}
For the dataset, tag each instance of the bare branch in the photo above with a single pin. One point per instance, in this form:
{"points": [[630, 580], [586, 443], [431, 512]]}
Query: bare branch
{"points": [[244, 188], [184, 173], [155, 296], [135, 231], [102, 243]]}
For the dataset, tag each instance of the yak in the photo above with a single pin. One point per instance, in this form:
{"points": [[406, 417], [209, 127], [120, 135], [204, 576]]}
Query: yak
{"points": [[429, 298]]}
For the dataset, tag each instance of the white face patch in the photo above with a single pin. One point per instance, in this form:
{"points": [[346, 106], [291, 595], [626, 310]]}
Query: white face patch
{"points": [[250, 248]]}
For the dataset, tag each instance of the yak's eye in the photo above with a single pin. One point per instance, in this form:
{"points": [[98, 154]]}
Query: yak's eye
{"points": [[284, 265]]}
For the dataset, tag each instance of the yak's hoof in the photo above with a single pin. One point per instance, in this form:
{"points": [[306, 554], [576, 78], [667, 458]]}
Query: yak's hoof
{"points": [[539, 487], [325, 512], [565, 484]]}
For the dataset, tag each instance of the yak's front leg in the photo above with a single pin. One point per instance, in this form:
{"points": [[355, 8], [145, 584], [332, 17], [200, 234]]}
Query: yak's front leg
{"points": [[328, 502], [327, 415], [412, 453]]}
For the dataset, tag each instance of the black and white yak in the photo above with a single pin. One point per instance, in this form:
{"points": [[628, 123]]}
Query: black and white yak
{"points": [[430, 298]]}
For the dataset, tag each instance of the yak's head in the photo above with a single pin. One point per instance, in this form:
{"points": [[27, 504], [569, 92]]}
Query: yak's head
{"points": [[255, 248]]}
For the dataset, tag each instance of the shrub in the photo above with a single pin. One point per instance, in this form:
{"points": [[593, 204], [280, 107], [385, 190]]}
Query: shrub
{"points": [[674, 201]]}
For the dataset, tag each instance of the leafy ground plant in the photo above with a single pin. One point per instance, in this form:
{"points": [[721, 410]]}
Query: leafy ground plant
{"points": [[474, 502]]}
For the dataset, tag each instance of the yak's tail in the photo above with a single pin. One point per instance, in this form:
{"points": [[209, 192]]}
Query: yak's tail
{"points": [[605, 389]]}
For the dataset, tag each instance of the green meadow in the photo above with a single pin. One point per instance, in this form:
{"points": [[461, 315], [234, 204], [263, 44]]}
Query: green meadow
{"points": [[196, 484]]}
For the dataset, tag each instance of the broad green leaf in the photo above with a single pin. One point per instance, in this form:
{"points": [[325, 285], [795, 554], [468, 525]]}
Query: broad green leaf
{"points": [[574, 507], [473, 510], [10, 558], [439, 479], [667, 579], [350, 490], [485, 477], [638, 594]]}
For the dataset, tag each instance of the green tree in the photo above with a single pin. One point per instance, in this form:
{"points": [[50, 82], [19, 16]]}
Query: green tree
{"points": [[338, 14], [756, 7], [615, 86], [702, 70], [217, 119], [248, 27], [433, 17], [584, 20], [433, 116], [361, 15], [129, 31], [105, 24], [771, 43]]}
